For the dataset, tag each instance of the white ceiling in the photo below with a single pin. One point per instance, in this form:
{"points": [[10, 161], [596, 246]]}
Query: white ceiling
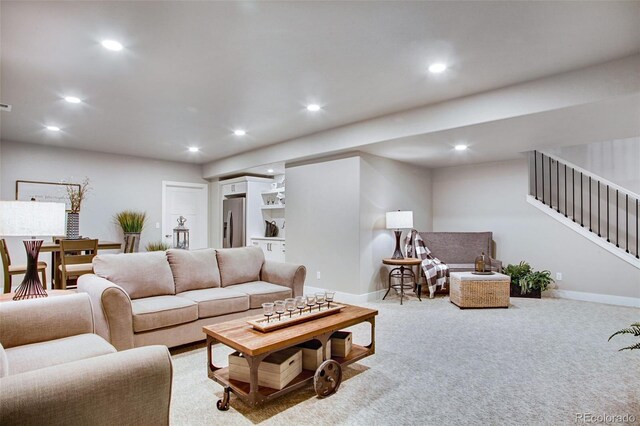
{"points": [[507, 139], [191, 72]]}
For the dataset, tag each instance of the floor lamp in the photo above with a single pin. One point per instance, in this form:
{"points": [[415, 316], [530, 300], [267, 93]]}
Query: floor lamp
{"points": [[398, 221], [34, 219]]}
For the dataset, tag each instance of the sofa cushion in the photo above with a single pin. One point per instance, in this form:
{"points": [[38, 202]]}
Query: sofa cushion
{"points": [[261, 292], [213, 302], [150, 313], [193, 270], [53, 352], [139, 274], [240, 265]]}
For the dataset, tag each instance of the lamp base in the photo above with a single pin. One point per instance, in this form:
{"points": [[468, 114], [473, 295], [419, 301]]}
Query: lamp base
{"points": [[31, 286], [397, 254]]}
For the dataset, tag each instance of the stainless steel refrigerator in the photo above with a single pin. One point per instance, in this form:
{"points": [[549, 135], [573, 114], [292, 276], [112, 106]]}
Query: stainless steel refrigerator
{"points": [[233, 226]]}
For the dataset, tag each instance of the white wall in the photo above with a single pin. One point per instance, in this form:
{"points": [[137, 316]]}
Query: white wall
{"points": [[323, 219], [388, 185], [118, 183], [617, 161], [491, 197], [336, 218]]}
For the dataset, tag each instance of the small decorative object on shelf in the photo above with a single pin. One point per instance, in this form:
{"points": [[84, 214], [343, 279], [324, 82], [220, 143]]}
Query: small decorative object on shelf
{"points": [[181, 235]]}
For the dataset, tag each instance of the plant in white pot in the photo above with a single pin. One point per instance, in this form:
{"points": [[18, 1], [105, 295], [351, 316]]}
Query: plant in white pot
{"points": [[132, 224], [76, 195]]}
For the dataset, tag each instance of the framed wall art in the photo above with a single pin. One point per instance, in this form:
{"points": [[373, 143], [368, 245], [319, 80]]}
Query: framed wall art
{"points": [[53, 192]]}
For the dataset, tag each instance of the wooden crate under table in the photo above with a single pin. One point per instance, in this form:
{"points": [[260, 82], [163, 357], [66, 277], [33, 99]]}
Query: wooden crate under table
{"points": [[312, 354], [341, 343], [479, 291], [276, 371]]}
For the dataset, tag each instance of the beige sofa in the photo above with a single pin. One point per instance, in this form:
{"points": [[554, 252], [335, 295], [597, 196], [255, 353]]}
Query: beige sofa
{"points": [[167, 297], [54, 370]]}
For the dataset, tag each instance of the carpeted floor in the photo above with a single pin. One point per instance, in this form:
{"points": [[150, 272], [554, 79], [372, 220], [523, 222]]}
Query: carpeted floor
{"points": [[538, 362]]}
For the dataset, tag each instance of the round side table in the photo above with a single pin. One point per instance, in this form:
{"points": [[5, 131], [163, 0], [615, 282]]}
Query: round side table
{"points": [[403, 269]]}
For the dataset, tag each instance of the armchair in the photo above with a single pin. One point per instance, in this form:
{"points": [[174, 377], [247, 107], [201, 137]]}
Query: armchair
{"points": [[54, 370]]}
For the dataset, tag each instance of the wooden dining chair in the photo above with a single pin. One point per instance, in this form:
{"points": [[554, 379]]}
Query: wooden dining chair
{"points": [[75, 259], [11, 270]]}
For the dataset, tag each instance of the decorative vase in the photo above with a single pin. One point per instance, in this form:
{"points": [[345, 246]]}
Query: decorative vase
{"points": [[131, 242], [73, 226]]}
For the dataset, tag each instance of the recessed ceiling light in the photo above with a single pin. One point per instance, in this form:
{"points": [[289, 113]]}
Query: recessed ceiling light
{"points": [[437, 68], [313, 107], [460, 147], [112, 45], [72, 99], [239, 132], [53, 128], [194, 149], [270, 171]]}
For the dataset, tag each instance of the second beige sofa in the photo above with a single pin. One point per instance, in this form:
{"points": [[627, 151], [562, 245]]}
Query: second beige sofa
{"points": [[166, 298]]}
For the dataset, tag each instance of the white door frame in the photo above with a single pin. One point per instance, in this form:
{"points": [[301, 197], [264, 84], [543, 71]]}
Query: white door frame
{"points": [[202, 186]]}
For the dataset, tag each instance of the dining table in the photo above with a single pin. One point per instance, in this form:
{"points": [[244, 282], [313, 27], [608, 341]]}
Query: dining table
{"points": [[54, 249]]}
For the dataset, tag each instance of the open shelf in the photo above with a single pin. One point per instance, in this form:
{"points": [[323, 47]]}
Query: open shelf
{"points": [[239, 387], [273, 191], [222, 376], [273, 207]]}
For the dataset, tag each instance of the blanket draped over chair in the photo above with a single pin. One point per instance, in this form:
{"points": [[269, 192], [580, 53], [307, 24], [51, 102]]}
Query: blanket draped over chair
{"points": [[435, 272]]}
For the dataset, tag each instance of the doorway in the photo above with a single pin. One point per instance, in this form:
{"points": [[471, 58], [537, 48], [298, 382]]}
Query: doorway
{"points": [[191, 201]]}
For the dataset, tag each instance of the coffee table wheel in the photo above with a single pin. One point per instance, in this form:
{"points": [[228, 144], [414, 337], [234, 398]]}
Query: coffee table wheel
{"points": [[223, 404], [327, 378]]}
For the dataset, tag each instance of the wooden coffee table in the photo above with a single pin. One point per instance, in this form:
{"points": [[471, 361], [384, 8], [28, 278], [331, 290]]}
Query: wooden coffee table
{"points": [[255, 346]]}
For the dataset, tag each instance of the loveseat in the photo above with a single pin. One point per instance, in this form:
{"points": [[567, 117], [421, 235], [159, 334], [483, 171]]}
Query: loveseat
{"points": [[459, 251], [54, 370], [167, 297]]}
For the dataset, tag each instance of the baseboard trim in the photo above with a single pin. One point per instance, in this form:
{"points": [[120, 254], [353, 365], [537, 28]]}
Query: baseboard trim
{"points": [[607, 299], [348, 297]]}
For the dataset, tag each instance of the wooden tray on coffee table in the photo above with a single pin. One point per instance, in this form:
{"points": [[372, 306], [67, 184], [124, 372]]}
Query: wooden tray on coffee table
{"points": [[264, 325]]}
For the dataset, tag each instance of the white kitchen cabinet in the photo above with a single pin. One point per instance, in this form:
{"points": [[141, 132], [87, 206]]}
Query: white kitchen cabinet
{"points": [[273, 249], [234, 188]]}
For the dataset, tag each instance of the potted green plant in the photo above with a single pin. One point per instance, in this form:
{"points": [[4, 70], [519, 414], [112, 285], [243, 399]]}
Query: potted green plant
{"points": [[525, 282], [132, 224], [634, 329], [157, 246]]}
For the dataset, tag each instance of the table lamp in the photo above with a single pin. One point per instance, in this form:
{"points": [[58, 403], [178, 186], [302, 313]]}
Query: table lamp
{"points": [[34, 219], [398, 221]]}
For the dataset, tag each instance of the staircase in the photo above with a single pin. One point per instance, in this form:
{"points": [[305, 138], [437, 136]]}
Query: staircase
{"points": [[602, 211]]}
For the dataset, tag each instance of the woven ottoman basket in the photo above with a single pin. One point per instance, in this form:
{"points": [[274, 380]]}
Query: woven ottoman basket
{"points": [[468, 290]]}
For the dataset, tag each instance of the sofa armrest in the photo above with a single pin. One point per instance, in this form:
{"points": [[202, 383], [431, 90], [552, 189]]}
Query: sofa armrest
{"points": [[124, 388], [39, 320], [287, 274], [112, 312]]}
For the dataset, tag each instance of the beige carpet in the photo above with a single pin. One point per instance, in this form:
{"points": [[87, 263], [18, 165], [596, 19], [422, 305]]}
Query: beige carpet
{"points": [[538, 362]]}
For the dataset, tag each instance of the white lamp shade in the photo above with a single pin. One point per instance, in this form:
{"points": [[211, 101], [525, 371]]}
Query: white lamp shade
{"points": [[400, 220], [31, 218]]}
